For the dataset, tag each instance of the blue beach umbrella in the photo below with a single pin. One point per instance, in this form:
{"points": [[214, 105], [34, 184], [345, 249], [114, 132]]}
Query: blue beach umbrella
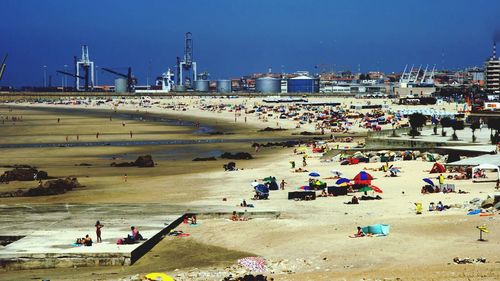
{"points": [[262, 189], [313, 174], [342, 180], [429, 181]]}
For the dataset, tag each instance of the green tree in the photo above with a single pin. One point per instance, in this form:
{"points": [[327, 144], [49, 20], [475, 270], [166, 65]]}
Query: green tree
{"points": [[417, 120]]}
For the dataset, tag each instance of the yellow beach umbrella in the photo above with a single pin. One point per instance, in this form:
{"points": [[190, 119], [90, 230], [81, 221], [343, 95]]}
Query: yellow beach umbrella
{"points": [[158, 276]]}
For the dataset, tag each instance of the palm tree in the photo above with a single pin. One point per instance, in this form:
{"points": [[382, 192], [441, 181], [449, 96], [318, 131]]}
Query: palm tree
{"points": [[474, 126], [417, 120]]}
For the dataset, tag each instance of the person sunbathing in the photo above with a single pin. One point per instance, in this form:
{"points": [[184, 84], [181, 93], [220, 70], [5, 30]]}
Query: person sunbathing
{"points": [[87, 241], [236, 217], [359, 233], [354, 200], [300, 170], [323, 194]]}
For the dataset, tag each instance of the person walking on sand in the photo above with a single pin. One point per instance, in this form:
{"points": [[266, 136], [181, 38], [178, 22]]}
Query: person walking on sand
{"points": [[304, 162], [58, 120], [125, 177], [282, 184], [77, 137], [97, 135], [130, 134], [98, 227]]}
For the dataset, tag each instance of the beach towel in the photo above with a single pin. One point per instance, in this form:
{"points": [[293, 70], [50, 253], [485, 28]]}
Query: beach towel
{"points": [[474, 212]]}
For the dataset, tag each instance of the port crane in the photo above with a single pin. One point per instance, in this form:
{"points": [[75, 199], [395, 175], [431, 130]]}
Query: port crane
{"points": [[3, 66], [131, 80], [77, 76]]}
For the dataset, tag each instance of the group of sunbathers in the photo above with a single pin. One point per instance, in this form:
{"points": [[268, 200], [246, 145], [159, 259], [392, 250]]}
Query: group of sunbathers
{"points": [[85, 241], [437, 207]]}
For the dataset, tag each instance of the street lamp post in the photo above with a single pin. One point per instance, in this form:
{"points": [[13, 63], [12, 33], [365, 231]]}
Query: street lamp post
{"points": [[65, 77], [45, 76]]}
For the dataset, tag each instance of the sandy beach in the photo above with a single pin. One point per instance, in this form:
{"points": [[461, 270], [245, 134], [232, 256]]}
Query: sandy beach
{"points": [[310, 239]]}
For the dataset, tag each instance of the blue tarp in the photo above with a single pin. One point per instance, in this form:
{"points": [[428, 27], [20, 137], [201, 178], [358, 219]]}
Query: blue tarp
{"points": [[381, 229]]}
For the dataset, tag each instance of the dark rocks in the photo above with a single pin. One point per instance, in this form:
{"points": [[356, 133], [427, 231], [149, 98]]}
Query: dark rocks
{"points": [[23, 174], [279, 144], [84, 164], [269, 129], [53, 187], [236, 156], [145, 161], [205, 159]]}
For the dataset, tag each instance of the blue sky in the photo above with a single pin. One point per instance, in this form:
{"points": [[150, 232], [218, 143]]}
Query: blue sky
{"points": [[233, 37]]}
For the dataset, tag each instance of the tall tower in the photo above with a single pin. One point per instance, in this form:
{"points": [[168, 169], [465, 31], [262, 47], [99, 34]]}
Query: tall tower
{"points": [[186, 68], [492, 72]]}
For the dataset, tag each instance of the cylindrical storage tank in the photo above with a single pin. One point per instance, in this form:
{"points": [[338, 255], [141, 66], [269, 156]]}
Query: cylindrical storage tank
{"points": [[180, 88], [120, 85], [201, 85], [303, 84], [268, 85], [223, 86]]}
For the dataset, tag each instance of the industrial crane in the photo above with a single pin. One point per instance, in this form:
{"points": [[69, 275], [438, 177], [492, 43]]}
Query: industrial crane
{"points": [[131, 81], [2, 66], [85, 77]]}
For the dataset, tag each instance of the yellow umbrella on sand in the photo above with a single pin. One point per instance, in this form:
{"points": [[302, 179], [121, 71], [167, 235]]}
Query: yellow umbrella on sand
{"points": [[158, 276]]}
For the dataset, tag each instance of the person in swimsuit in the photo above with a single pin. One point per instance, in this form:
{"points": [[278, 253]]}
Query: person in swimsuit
{"points": [[98, 227]]}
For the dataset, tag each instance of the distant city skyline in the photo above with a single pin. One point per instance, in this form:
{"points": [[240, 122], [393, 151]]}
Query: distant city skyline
{"points": [[234, 38]]}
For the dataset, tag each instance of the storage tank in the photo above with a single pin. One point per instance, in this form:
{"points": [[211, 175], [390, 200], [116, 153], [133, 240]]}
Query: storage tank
{"points": [[303, 84], [120, 85], [180, 88], [268, 85], [223, 86], [201, 85]]}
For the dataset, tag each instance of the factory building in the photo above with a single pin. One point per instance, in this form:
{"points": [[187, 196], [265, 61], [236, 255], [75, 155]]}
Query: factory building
{"points": [[303, 84], [492, 73]]}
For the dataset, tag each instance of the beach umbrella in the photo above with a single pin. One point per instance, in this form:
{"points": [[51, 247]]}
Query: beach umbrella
{"points": [[376, 189], [313, 174], [158, 276], [342, 180], [363, 178], [270, 179], [253, 263], [429, 181], [365, 188], [254, 184], [262, 189], [305, 187], [337, 172]]}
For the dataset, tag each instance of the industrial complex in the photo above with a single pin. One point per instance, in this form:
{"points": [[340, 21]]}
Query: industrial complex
{"points": [[414, 81]]}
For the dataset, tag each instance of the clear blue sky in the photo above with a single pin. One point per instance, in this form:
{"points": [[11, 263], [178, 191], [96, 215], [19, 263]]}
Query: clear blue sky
{"points": [[233, 37]]}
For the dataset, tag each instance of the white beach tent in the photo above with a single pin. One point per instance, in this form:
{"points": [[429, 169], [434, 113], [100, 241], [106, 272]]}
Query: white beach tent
{"points": [[487, 167]]}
